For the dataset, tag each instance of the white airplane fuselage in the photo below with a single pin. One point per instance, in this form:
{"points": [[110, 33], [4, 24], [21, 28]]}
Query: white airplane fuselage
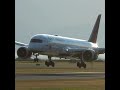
{"points": [[53, 45], [63, 47]]}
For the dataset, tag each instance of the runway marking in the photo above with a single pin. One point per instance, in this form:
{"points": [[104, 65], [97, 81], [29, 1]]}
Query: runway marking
{"points": [[50, 76], [83, 72]]}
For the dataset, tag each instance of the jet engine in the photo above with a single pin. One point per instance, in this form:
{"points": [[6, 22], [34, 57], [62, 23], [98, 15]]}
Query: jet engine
{"points": [[24, 53], [89, 55]]}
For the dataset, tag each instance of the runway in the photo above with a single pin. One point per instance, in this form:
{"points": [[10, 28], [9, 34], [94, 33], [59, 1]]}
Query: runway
{"points": [[62, 70], [67, 75]]}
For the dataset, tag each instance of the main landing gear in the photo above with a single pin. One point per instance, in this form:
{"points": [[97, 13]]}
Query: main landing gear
{"points": [[48, 63], [81, 63]]}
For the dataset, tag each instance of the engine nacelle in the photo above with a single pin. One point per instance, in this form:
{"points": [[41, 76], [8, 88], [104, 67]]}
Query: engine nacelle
{"points": [[89, 55], [24, 53]]}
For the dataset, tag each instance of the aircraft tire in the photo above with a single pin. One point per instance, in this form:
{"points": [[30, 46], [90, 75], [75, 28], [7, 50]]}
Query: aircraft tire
{"points": [[47, 63], [36, 59], [79, 64], [83, 65], [53, 64]]}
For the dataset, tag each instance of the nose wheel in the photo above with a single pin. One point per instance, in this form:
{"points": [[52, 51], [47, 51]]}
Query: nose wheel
{"points": [[36, 59]]}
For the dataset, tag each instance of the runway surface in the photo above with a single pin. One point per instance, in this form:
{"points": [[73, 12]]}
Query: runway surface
{"points": [[62, 70], [67, 75]]}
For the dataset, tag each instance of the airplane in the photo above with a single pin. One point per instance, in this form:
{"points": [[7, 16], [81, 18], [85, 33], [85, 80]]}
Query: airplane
{"points": [[62, 47]]}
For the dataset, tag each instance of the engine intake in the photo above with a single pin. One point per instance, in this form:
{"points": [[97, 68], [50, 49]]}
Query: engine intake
{"points": [[24, 53], [89, 55]]}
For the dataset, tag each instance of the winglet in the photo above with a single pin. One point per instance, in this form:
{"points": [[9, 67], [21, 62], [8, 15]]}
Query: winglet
{"points": [[93, 36]]}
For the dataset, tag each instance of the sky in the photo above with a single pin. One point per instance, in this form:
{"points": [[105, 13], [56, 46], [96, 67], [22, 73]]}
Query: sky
{"points": [[69, 18]]}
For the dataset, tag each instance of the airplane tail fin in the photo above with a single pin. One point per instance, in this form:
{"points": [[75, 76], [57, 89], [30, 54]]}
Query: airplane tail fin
{"points": [[93, 36]]}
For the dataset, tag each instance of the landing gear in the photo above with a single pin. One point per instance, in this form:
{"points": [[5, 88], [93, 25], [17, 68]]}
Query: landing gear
{"points": [[48, 63], [81, 63], [36, 59]]}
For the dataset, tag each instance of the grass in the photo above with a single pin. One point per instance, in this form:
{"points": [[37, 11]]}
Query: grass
{"points": [[80, 84], [30, 67], [81, 88], [59, 84]]}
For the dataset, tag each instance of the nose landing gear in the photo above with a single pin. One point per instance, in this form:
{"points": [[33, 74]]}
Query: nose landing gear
{"points": [[36, 59]]}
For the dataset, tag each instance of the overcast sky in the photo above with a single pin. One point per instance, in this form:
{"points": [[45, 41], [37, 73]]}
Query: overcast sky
{"points": [[69, 18]]}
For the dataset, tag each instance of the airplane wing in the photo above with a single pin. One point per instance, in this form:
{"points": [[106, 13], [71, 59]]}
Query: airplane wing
{"points": [[78, 50], [20, 44], [100, 50]]}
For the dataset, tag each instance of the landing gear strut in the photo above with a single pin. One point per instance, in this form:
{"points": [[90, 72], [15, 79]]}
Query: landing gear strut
{"points": [[48, 63], [36, 59], [81, 63]]}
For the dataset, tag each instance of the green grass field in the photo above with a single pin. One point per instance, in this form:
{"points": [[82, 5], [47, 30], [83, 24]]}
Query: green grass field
{"points": [[30, 67], [59, 84]]}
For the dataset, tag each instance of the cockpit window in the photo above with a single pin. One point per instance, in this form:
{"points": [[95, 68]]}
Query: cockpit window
{"points": [[36, 40]]}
